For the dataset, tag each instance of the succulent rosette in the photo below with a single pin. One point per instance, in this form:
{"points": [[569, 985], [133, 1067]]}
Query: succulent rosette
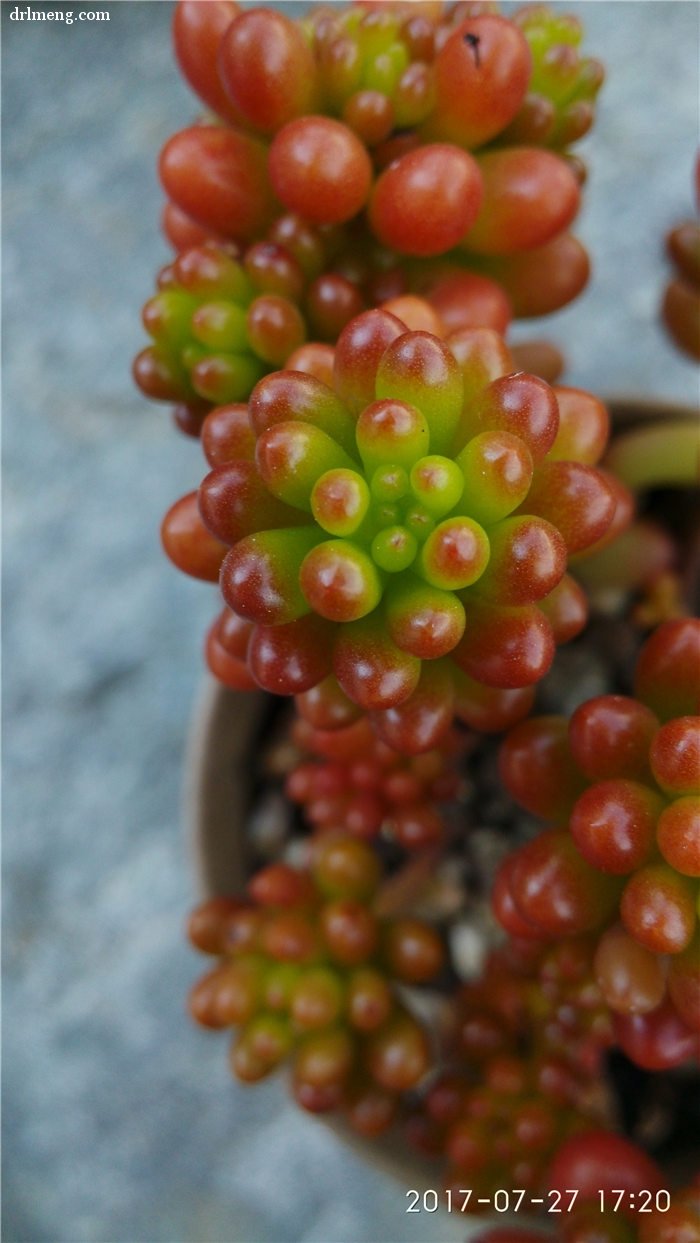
{"points": [[224, 315], [408, 530], [621, 783], [218, 325], [309, 973]]}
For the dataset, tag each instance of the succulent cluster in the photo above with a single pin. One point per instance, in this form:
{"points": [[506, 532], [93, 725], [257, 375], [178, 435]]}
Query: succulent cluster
{"points": [[406, 516], [352, 109], [525, 1070], [361, 784], [337, 172], [620, 781], [218, 324], [398, 71], [406, 531], [309, 972]]}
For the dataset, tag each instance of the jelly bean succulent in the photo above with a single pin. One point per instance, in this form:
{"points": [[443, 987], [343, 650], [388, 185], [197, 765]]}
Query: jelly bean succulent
{"points": [[218, 324], [474, 945], [407, 531], [330, 114], [307, 970], [621, 781], [383, 132], [360, 783]]}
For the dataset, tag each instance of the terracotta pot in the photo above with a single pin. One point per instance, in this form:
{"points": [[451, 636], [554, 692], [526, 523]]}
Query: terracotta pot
{"points": [[228, 729], [218, 793]]}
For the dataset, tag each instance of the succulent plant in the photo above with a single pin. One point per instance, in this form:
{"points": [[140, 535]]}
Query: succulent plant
{"points": [[406, 516]]}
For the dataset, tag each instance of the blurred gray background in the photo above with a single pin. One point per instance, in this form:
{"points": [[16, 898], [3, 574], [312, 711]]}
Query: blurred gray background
{"points": [[121, 1123]]}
